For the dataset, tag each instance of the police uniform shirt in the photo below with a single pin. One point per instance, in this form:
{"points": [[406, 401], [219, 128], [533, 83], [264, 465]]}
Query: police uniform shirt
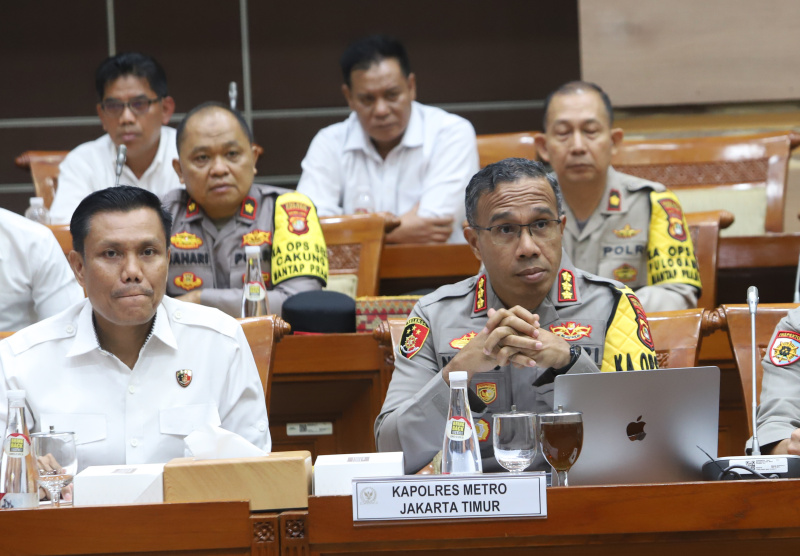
{"points": [[283, 223], [600, 315], [638, 236], [779, 411], [195, 369]]}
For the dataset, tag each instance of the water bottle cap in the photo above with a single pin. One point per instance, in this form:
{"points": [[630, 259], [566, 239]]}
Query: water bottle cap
{"points": [[16, 394], [252, 250], [37, 201], [458, 376]]}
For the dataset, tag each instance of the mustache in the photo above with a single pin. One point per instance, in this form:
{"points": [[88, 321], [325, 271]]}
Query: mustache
{"points": [[125, 292]]}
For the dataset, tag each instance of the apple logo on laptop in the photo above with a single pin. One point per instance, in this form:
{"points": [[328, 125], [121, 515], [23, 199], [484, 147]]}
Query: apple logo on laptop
{"points": [[635, 430]]}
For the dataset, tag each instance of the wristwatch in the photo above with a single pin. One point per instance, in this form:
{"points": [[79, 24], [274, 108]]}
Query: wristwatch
{"points": [[574, 355]]}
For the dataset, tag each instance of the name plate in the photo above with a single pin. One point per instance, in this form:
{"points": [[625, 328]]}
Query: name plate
{"points": [[450, 496]]}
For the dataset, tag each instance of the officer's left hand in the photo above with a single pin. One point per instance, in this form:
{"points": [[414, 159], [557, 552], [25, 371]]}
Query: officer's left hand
{"points": [[191, 297]]}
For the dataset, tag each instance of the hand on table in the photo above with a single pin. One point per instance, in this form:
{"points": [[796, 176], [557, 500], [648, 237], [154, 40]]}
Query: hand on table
{"points": [[416, 229]]}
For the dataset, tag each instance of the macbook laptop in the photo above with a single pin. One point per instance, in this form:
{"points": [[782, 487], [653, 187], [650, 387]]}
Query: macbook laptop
{"points": [[643, 426]]}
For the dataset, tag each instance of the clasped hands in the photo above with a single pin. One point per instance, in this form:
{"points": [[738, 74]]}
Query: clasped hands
{"points": [[510, 337]]}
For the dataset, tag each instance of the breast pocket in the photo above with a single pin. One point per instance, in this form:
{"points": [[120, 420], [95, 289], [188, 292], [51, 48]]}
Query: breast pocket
{"points": [[88, 427], [625, 262], [182, 420]]}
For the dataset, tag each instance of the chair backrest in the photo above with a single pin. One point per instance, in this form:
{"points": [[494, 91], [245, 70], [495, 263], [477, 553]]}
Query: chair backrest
{"points": [[750, 170], [736, 320], [5, 335], [704, 228], [262, 334], [43, 166], [497, 146], [677, 336], [354, 247], [63, 236]]}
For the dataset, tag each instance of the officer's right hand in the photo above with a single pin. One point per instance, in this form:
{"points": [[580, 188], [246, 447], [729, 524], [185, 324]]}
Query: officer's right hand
{"points": [[789, 446]]}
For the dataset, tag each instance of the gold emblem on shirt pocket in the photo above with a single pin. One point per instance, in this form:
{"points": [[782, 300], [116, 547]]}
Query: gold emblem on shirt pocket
{"points": [[184, 377]]}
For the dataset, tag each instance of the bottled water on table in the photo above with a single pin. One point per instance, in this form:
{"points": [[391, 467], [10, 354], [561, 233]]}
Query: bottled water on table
{"points": [[37, 211], [460, 451], [18, 474], [254, 293]]}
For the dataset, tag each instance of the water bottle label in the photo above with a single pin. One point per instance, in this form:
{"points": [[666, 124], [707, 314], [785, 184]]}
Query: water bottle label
{"points": [[458, 428], [17, 445], [253, 291], [10, 500]]}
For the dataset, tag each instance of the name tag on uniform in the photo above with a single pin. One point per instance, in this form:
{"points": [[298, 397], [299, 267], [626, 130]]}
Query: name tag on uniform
{"points": [[450, 496]]}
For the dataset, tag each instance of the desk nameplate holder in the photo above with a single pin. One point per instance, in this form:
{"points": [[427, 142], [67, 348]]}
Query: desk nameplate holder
{"points": [[450, 496]]}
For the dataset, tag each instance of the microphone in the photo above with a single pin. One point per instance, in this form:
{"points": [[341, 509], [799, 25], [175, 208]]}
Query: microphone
{"points": [[752, 304], [232, 94], [122, 156]]}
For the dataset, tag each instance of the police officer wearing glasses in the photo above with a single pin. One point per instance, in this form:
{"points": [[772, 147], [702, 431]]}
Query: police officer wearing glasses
{"points": [[528, 317], [134, 106]]}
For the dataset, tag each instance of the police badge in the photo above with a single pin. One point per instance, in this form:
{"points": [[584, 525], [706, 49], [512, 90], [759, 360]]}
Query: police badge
{"points": [[184, 377]]}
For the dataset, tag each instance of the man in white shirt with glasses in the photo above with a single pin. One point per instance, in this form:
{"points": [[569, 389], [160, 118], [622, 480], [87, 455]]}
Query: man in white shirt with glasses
{"points": [[134, 107]]}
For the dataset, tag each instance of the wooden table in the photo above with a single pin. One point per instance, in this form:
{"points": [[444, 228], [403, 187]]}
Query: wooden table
{"points": [[730, 518]]}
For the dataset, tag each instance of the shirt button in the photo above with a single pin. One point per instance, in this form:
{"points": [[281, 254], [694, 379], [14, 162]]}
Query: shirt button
{"points": [[69, 329], [132, 389], [262, 426], [178, 315], [135, 442]]}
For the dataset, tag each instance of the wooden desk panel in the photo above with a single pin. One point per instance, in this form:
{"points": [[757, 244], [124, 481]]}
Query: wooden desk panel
{"points": [[742, 517], [406, 268]]}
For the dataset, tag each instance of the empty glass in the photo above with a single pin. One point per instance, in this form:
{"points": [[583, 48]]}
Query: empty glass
{"points": [[57, 460], [514, 439], [561, 435]]}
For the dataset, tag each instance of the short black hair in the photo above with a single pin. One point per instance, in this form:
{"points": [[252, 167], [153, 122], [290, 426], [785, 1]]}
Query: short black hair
{"points": [[122, 198], [578, 87], [508, 170], [206, 106], [364, 52], [131, 63]]}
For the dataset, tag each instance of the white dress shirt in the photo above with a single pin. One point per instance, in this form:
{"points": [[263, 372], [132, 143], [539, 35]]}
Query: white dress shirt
{"points": [[91, 167], [36, 281], [139, 415], [431, 166]]}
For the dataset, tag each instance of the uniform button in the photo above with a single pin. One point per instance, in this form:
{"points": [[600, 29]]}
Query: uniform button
{"points": [[132, 389], [178, 315], [135, 442], [70, 329], [262, 426]]}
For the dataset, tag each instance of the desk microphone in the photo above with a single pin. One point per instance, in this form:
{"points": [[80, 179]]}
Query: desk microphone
{"points": [[776, 466], [232, 94], [122, 156]]}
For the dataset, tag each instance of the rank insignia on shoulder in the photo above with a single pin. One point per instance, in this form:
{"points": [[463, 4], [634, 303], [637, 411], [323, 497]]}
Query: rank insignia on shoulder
{"points": [[571, 331], [249, 208], [487, 391], [480, 294], [414, 335], [785, 348], [641, 320], [614, 200], [566, 286], [184, 377], [257, 237], [298, 216], [626, 232], [459, 343], [625, 273], [482, 428], [188, 281], [674, 218], [192, 208], [185, 240]]}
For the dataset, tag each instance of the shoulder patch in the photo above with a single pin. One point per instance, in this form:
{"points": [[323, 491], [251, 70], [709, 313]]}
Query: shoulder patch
{"points": [[641, 320], [480, 294], [297, 213], [414, 335], [785, 348], [566, 286], [298, 247], [614, 200], [675, 228]]}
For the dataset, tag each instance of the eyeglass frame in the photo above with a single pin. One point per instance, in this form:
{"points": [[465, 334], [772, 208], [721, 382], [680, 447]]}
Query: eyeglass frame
{"points": [[127, 104], [519, 231]]}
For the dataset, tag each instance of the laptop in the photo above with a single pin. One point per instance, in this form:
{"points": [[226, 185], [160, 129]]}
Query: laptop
{"points": [[643, 426]]}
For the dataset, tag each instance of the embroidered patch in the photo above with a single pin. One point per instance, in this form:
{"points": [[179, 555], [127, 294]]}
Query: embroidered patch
{"points": [[566, 286], [614, 200], [188, 281], [625, 273], [675, 219], [626, 232], [785, 348], [249, 208], [192, 208], [487, 391], [185, 240], [459, 343], [482, 428], [257, 237], [414, 335], [641, 320], [298, 217], [184, 377], [571, 331], [480, 294]]}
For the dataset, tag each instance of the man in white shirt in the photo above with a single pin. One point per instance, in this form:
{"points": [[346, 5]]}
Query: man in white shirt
{"points": [[35, 279], [134, 109], [129, 370], [414, 160]]}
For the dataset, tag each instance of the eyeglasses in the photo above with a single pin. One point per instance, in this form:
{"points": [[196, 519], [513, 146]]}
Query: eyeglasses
{"points": [[503, 234], [139, 106]]}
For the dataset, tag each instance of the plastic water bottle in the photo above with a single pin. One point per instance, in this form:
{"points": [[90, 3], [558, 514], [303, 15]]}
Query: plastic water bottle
{"points": [[37, 211], [460, 451], [17, 469], [254, 296], [363, 202]]}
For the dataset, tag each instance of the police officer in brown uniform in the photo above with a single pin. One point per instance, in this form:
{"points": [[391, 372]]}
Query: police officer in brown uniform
{"points": [[531, 316], [222, 211]]}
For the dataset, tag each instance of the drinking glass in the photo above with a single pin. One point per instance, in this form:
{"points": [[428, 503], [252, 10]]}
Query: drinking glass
{"points": [[561, 436], [57, 460], [514, 439]]}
